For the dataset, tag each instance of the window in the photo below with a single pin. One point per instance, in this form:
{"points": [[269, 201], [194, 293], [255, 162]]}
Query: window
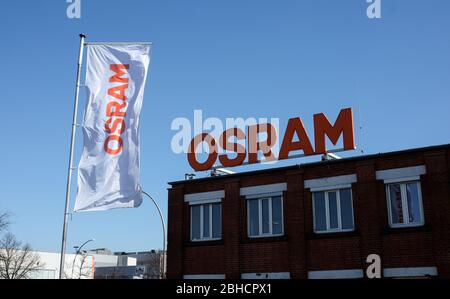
{"points": [[405, 204], [333, 211], [206, 222], [265, 217], [42, 274]]}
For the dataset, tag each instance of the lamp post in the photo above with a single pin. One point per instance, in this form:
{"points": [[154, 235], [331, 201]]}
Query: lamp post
{"points": [[78, 252], [163, 223]]}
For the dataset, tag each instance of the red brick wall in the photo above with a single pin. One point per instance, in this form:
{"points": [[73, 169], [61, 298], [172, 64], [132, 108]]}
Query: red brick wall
{"points": [[300, 250], [205, 259]]}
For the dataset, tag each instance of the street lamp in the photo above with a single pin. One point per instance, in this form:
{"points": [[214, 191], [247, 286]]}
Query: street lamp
{"points": [[163, 224], [78, 248]]}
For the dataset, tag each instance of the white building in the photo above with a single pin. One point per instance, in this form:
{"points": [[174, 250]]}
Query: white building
{"points": [[76, 266], [99, 263]]}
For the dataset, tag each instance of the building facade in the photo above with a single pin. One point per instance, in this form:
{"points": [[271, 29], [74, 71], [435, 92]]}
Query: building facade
{"points": [[127, 265], [149, 261], [316, 220]]}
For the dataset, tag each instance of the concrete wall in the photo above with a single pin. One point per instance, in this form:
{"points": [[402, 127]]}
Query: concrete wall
{"points": [[74, 266], [77, 266]]}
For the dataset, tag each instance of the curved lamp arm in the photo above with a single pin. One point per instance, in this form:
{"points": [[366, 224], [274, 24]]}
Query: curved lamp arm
{"points": [[163, 267], [78, 252]]}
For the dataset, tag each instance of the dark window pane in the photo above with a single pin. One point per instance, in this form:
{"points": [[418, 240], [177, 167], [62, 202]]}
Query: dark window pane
{"points": [[217, 227], [396, 203], [319, 211], [253, 214], [206, 228], [277, 217], [346, 208], [412, 192], [195, 230], [332, 200], [265, 216]]}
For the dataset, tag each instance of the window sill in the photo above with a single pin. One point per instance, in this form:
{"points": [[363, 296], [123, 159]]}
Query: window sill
{"points": [[405, 229], [333, 235]]}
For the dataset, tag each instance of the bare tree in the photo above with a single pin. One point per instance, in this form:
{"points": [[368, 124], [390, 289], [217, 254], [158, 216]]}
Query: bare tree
{"points": [[153, 265], [4, 221], [67, 274], [84, 270], [17, 261]]}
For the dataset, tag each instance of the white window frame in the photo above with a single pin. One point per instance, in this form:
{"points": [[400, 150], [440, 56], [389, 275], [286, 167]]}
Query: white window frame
{"points": [[330, 183], [397, 174], [405, 208], [260, 224], [204, 197], [202, 207], [327, 212]]}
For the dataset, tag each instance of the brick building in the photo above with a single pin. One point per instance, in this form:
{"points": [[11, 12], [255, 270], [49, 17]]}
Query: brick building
{"points": [[316, 220]]}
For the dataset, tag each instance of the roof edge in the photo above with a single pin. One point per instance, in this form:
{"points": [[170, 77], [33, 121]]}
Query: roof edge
{"points": [[328, 162]]}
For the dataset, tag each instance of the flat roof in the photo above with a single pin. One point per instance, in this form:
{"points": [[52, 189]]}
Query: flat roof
{"points": [[326, 162]]}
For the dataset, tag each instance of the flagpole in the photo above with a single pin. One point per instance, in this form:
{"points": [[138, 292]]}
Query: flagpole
{"points": [[70, 170], [163, 272]]}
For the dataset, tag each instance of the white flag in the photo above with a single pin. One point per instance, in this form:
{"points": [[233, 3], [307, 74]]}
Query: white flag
{"points": [[109, 170]]}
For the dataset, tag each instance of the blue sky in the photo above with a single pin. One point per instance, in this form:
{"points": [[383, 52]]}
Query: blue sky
{"points": [[233, 58]]}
